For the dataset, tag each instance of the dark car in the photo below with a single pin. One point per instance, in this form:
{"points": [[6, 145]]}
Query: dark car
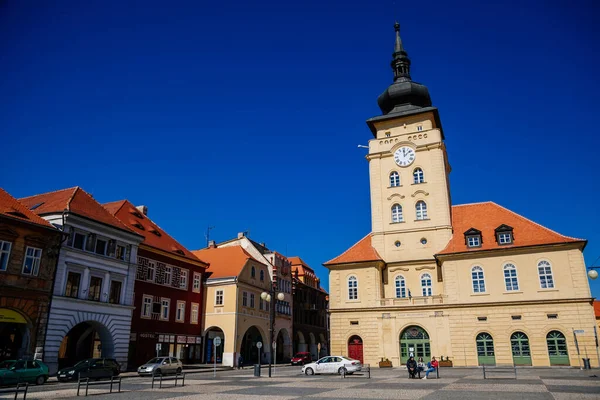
{"points": [[12, 372], [95, 368], [302, 358]]}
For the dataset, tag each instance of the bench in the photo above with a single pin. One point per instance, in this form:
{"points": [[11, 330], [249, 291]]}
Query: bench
{"points": [[161, 378], [499, 369], [20, 388], [365, 368], [89, 382], [437, 373]]}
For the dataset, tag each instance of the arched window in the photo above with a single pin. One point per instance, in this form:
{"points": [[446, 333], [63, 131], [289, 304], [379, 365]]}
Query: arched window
{"points": [[418, 176], [478, 280], [426, 284], [421, 208], [253, 272], [485, 349], [545, 273], [397, 213], [400, 287], [394, 179], [352, 288], [262, 275], [519, 342], [557, 348], [510, 278]]}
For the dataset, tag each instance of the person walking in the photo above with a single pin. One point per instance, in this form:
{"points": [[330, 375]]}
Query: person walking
{"points": [[432, 366], [411, 366], [240, 361]]}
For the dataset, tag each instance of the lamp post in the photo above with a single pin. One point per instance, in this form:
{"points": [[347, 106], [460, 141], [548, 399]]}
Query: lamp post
{"points": [[267, 298], [592, 273]]}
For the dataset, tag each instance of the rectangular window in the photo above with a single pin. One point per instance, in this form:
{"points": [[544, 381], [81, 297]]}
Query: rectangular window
{"points": [[194, 313], [95, 288], [504, 238], [183, 279], [219, 298], [115, 292], [180, 316], [72, 287], [196, 284], [90, 242], [510, 279], [474, 241], [79, 240], [150, 272], [168, 276], [252, 300], [147, 307], [4, 254], [260, 304], [545, 273], [245, 299], [101, 246], [31, 265], [121, 252], [164, 309]]}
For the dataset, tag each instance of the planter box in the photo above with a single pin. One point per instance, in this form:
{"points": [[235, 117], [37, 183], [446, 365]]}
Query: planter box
{"points": [[385, 364], [445, 363]]}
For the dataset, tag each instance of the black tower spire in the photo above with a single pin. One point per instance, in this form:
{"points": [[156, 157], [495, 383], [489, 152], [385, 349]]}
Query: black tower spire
{"points": [[400, 61]]}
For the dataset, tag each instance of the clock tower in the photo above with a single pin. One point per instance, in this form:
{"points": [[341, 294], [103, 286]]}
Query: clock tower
{"points": [[408, 165]]}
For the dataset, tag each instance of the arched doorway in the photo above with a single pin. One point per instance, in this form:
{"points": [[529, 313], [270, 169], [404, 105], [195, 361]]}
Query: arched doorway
{"points": [[14, 334], [557, 348], [485, 349], [300, 342], [314, 350], [323, 351], [519, 342], [88, 339], [282, 351], [355, 348], [249, 351], [414, 341], [210, 352]]}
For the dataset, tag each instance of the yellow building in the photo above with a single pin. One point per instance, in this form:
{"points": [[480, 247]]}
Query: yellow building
{"points": [[475, 284]]}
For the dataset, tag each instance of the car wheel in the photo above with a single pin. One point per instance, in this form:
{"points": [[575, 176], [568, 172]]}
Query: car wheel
{"points": [[40, 380], [309, 371], [178, 370], [342, 370]]}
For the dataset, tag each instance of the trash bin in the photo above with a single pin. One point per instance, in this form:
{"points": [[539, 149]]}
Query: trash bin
{"points": [[586, 363], [256, 369]]}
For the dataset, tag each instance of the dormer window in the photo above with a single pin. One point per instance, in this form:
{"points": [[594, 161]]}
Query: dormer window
{"points": [[473, 238], [504, 234]]}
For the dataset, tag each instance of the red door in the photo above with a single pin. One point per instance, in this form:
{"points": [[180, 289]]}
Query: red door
{"points": [[355, 348]]}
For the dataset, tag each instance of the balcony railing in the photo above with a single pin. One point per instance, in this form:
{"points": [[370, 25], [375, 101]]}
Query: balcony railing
{"points": [[412, 301]]}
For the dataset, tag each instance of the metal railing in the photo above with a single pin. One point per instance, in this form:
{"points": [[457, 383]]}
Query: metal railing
{"points": [[20, 388], [112, 381], [501, 369], [161, 378]]}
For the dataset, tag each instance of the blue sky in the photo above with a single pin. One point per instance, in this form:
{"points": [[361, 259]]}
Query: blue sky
{"points": [[246, 116]]}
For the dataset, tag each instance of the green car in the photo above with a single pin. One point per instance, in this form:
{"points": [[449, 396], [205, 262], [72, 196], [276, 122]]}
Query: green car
{"points": [[13, 372]]}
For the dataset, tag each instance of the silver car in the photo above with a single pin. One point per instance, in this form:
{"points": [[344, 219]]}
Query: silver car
{"points": [[161, 366]]}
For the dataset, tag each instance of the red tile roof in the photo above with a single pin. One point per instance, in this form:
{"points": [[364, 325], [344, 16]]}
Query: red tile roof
{"points": [[74, 200], [362, 251], [226, 261], [486, 217], [302, 267], [153, 235], [597, 309], [12, 208]]}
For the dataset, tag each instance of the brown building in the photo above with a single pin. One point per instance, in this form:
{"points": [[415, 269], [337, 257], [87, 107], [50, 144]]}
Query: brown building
{"points": [[29, 246], [311, 303]]}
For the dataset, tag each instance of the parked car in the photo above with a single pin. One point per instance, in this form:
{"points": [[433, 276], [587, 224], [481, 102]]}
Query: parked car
{"points": [[161, 365], [332, 365], [95, 368], [14, 371], [302, 358]]}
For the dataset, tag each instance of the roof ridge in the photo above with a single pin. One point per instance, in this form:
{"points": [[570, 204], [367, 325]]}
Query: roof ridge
{"points": [[473, 204], [351, 247], [73, 196], [46, 193]]}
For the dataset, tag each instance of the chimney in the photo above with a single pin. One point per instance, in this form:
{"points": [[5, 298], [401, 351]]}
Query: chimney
{"points": [[241, 235], [263, 244], [212, 244], [143, 209]]}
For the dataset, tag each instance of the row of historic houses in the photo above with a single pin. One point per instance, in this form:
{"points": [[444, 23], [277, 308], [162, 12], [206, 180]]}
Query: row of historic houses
{"points": [[80, 279]]}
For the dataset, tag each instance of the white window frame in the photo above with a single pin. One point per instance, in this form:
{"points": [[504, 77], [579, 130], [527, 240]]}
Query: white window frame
{"points": [[474, 241], [400, 286], [194, 313], [509, 284], [478, 279], [6, 253], [418, 176], [546, 276], [196, 282], [426, 285], [164, 300], [252, 301], [150, 306], [168, 275], [219, 297], [151, 270], [183, 279], [37, 259], [124, 257], [394, 179], [244, 299], [421, 210], [397, 215], [505, 238], [180, 311], [352, 288]]}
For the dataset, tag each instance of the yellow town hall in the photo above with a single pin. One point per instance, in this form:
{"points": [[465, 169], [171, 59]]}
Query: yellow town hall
{"points": [[476, 284]]}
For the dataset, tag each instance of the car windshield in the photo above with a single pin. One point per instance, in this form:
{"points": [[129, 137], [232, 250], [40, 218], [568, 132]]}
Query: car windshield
{"points": [[80, 363], [6, 364], [300, 355], [155, 361]]}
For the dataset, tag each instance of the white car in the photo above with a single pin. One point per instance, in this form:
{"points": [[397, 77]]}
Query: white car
{"points": [[332, 365]]}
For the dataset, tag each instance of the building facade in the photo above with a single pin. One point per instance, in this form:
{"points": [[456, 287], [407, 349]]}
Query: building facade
{"points": [[311, 304], [29, 247], [475, 284], [168, 292], [92, 300]]}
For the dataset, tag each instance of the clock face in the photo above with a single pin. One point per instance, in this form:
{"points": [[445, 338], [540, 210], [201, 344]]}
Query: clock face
{"points": [[404, 156]]}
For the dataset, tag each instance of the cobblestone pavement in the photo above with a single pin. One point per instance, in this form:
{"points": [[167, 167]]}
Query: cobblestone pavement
{"points": [[288, 383]]}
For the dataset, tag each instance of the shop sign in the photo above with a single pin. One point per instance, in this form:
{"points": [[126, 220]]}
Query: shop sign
{"points": [[181, 339], [191, 339], [147, 336], [11, 317], [161, 338], [171, 339], [199, 340]]}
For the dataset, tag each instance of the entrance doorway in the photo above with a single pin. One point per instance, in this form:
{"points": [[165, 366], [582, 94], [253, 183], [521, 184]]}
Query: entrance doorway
{"points": [[249, 350], [14, 335], [414, 341], [485, 349], [209, 350], [519, 342], [85, 340], [355, 348], [557, 348]]}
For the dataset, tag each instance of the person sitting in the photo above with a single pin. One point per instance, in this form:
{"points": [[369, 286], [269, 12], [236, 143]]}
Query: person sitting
{"points": [[411, 366], [432, 366], [420, 365]]}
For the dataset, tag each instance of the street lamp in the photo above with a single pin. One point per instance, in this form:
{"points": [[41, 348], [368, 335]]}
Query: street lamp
{"points": [[267, 297], [592, 273]]}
